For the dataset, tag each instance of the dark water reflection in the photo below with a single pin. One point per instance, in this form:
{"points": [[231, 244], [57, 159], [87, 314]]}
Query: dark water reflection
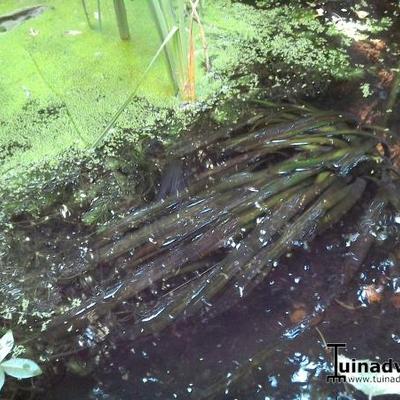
{"points": [[188, 357]]}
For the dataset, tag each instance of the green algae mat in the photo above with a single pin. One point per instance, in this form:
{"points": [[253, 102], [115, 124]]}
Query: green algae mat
{"points": [[61, 82], [56, 73]]}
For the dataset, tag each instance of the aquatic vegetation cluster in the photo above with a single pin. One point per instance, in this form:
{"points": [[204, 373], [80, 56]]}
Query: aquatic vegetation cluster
{"points": [[279, 47], [181, 49], [290, 45], [148, 185], [231, 203]]}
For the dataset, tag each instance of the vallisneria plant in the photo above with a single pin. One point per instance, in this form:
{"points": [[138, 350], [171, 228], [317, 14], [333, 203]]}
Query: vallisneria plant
{"points": [[20, 368]]}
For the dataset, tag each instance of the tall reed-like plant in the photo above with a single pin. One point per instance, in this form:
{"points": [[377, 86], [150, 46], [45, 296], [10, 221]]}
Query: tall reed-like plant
{"points": [[98, 11], [120, 14], [177, 16], [180, 51]]}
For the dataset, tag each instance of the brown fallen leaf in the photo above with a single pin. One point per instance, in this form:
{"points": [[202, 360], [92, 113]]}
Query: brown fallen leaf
{"points": [[380, 149], [395, 155], [386, 77], [372, 294], [370, 49], [298, 314]]}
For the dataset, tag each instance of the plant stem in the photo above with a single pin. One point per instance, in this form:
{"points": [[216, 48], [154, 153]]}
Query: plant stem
{"points": [[85, 10], [202, 37], [99, 15], [122, 19]]}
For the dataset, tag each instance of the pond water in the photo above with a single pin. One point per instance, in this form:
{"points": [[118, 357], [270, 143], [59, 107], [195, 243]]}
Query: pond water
{"points": [[186, 359], [221, 286], [249, 246]]}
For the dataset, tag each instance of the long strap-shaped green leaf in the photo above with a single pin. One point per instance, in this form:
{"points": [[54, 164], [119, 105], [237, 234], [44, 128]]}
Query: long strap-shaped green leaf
{"points": [[133, 94], [165, 18]]}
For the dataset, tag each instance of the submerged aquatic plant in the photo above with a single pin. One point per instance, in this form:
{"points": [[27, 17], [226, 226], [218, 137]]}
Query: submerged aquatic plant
{"points": [[300, 172], [256, 189]]}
